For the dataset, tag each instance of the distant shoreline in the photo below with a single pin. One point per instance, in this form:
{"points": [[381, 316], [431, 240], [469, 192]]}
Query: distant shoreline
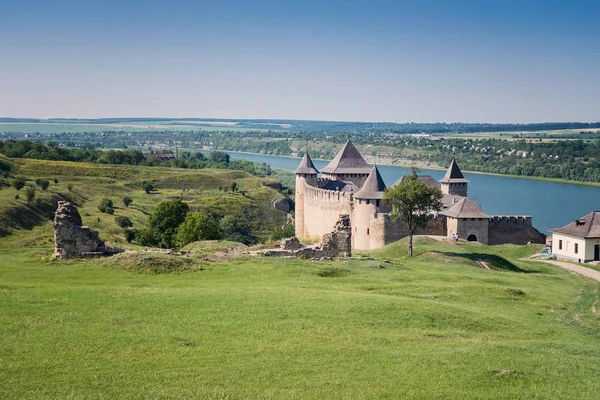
{"points": [[386, 162]]}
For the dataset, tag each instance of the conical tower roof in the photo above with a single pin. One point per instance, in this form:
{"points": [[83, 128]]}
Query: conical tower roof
{"points": [[348, 161], [373, 187], [306, 166], [453, 174]]}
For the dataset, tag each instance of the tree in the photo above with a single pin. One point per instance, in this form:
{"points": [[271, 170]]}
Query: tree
{"points": [[163, 224], [197, 226], [127, 201], [412, 202], [219, 157], [29, 194], [233, 187]]}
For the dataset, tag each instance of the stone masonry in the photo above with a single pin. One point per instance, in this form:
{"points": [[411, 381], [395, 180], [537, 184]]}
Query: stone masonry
{"points": [[334, 244], [70, 238]]}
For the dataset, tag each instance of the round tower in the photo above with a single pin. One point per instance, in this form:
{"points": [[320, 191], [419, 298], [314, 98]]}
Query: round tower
{"points": [[367, 202], [305, 173]]}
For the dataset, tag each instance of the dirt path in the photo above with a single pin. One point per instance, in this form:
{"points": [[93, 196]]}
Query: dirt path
{"points": [[575, 268]]}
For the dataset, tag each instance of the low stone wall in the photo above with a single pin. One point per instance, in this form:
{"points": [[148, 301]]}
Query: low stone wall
{"points": [[513, 229], [384, 230]]}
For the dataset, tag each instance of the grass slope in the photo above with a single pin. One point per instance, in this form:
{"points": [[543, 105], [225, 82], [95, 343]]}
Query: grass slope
{"points": [[29, 224], [437, 326]]}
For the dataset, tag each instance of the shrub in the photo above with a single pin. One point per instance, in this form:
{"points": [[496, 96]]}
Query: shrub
{"points": [[42, 183], [55, 180], [123, 222], [30, 194], [18, 183], [127, 201], [70, 187], [105, 205], [148, 187], [282, 232], [17, 196], [197, 226], [129, 235]]}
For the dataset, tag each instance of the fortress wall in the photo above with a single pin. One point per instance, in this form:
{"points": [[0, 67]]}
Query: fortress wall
{"points": [[384, 231], [322, 209], [513, 229]]}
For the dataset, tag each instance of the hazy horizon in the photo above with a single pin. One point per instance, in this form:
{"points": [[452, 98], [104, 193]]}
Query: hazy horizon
{"points": [[355, 61]]}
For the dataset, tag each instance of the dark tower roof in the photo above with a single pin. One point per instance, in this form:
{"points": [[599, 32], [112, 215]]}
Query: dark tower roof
{"points": [[453, 174], [306, 166], [373, 187], [465, 208], [585, 227], [347, 161]]}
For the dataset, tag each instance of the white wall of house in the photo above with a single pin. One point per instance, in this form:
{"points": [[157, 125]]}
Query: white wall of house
{"points": [[573, 248]]}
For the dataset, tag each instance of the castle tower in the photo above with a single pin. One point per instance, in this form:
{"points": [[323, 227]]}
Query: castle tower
{"points": [[306, 172], [348, 165], [454, 181], [367, 202], [466, 219]]}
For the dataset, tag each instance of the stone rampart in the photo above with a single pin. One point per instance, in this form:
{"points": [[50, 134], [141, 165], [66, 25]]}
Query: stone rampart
{"points": [[515, 229], [384, 230]]}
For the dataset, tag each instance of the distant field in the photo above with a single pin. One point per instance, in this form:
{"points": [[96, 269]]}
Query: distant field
{"points": [[12, 127], [554, 134]]}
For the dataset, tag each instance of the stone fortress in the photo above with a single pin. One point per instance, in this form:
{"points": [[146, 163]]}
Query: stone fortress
{"points": [[348, 185]]}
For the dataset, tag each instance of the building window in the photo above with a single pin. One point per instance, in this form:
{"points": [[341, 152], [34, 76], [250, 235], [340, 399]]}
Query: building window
{"points": [[576, 248], [560, 244], [367, 231]]}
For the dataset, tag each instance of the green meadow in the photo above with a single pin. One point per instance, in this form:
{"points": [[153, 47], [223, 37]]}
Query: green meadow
{"points": [[435, 326], [216, 323]]}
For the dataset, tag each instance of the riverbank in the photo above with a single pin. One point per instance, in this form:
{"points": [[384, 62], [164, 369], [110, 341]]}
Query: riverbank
{"points": [[405, 163]]}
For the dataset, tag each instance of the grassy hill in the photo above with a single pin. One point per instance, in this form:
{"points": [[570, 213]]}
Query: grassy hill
{"points": [[29, 224], [438, 326]]}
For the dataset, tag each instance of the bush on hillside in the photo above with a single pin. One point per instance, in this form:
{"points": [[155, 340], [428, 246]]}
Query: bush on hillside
{"points": [[148, 187], [106, 205], [70, 187], [55, 180], [42, 183], [29, 194], [197, 226], [123, 222], [129, 235], [236, 229], [282, 232], [127, 201], [18, 183]]}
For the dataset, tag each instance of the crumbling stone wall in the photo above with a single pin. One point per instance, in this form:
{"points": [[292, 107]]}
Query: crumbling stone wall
{"points": [[334, 244], [70, 238]]}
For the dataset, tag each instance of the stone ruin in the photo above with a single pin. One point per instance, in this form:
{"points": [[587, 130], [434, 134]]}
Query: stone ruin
{"points": [[71, 239], [337, 243]]}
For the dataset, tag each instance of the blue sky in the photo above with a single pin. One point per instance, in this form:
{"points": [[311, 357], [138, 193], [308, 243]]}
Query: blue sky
{"points": [[403, 61]]}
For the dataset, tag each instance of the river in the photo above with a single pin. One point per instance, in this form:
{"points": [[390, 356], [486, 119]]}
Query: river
{"points": [[551, 204]]}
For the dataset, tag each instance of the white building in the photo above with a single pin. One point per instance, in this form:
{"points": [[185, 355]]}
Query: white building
{"points": [[579, 240]]}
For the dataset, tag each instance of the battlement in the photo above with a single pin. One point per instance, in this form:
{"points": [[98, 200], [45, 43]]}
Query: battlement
{"points": [[312, 192], [511, 219]]}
